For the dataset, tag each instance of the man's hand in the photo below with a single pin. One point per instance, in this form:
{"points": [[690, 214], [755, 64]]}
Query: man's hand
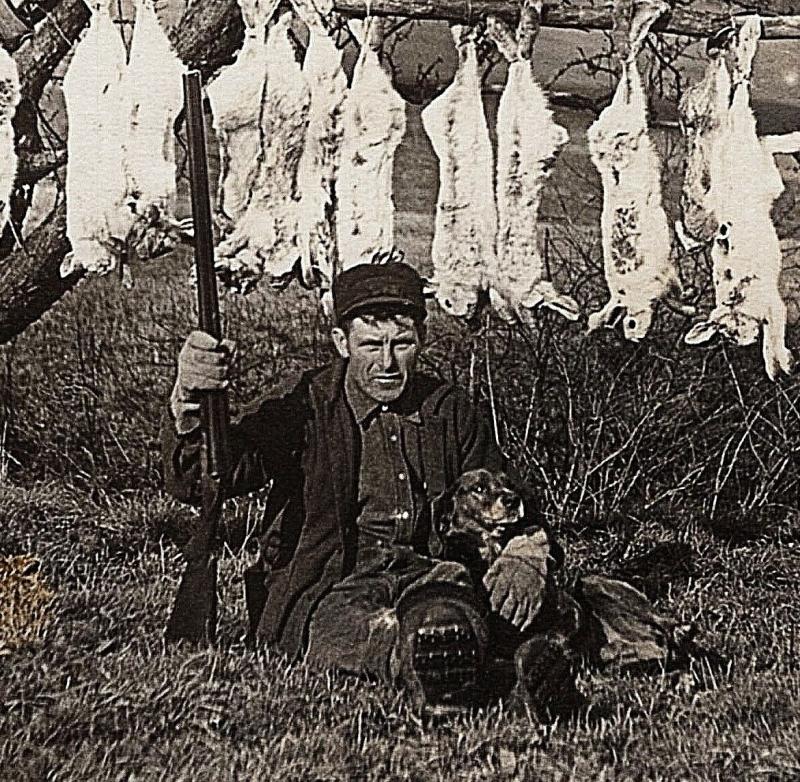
{"points": [[203, 365], [516, 579]]}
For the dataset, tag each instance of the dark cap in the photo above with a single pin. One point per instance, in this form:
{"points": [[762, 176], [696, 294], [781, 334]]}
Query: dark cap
{"points": [[369, 285]]}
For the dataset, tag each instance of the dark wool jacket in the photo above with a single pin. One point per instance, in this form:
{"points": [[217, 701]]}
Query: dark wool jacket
{"points": [[307, 445]]}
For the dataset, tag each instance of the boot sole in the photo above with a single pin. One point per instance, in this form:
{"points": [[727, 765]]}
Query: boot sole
{"points": [[446, 662], [547, 687]]}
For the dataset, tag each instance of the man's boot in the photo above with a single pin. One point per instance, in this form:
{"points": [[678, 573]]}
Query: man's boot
{"points": [[442, 647], [545, 678]]}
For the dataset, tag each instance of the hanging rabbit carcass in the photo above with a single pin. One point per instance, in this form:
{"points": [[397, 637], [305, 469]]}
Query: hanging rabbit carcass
{"points": [[236, 96], [319, 164], [154, 84], [528, 142], [374, 123], [466, 215], [635, 234], [98, 112], [746, 253], [9, 98], [703, 112], [263, 242]]}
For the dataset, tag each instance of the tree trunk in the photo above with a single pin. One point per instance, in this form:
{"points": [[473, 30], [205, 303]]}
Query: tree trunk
{"points": [[29, 278]]}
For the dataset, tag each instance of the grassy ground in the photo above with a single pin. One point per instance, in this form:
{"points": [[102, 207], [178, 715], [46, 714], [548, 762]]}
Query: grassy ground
{"points": [[628, 446], [98, 697]]}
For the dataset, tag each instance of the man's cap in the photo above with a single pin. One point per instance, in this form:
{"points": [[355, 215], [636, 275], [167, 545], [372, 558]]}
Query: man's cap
{"points": [[370, 285]]}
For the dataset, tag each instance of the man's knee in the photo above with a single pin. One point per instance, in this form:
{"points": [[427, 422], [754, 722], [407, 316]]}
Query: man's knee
{"points": [[352, 638], [447, 572]]}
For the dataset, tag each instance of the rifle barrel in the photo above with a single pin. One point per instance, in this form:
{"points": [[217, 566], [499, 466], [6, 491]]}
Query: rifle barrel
{"points": [[214, 404]]}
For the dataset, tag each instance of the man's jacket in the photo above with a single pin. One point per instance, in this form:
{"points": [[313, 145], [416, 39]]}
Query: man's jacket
{"points": [[306, 445]]}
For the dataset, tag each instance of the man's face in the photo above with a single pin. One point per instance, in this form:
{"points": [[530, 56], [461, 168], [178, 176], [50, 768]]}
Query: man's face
{"points": [[382, 355]]}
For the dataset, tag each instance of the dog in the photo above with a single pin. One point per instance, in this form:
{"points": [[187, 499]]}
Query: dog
{"points": [[485, 511]]}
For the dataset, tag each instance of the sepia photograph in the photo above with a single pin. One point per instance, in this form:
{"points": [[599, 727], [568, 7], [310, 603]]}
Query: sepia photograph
{"points": [[399, 390]]}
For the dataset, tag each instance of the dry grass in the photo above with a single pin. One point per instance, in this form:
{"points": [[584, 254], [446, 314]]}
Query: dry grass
{"points": [[96, 696], [630, 446]]}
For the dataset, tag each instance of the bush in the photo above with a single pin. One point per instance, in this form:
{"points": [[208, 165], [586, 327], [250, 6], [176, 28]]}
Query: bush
{"points": [[602, 426]]}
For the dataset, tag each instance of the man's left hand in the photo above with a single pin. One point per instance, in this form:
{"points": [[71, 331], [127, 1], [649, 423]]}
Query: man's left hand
{"points": [[516, 579]]}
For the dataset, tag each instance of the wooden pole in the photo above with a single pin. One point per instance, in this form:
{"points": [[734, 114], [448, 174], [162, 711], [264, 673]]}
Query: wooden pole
{"points": [[700, 19]]}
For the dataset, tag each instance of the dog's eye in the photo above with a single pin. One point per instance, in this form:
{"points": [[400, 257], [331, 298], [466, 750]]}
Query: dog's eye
{"points": [[478, 490]]}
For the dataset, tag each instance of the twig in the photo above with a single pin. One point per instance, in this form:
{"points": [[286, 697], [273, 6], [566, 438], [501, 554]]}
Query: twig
{"points": [[490, 385]]}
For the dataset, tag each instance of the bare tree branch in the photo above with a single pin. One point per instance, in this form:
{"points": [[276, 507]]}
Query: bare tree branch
{"points": [[35, 166], [40, 54]]}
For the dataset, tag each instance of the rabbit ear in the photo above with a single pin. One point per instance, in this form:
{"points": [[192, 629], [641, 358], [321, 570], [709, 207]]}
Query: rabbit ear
{"points": [[69, 265], [786, 143], [357, 29], [563, 305], [701, 332], [777, 357], [608, 316]]}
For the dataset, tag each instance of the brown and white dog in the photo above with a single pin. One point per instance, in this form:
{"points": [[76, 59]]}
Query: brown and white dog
{"points": [[486, 511]]}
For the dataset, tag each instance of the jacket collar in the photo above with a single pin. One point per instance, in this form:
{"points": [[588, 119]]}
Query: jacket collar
{"points": [[330, 380]]}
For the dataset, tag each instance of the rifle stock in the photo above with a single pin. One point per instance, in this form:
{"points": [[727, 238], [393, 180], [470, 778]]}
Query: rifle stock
{"points": [[194, 615]]}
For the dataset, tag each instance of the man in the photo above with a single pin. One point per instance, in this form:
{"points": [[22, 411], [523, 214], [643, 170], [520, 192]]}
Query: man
{"points": [[359, 457]]}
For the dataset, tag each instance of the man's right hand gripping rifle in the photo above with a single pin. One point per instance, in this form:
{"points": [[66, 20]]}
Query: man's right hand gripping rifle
{"points": [[204, 364]]}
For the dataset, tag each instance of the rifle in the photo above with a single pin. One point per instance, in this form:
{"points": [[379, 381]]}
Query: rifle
{"points": [[194, 615]]}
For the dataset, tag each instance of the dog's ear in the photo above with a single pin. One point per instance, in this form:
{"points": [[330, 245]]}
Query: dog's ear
{"points": [[512, 481], [442, 514], [442, 509]]}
